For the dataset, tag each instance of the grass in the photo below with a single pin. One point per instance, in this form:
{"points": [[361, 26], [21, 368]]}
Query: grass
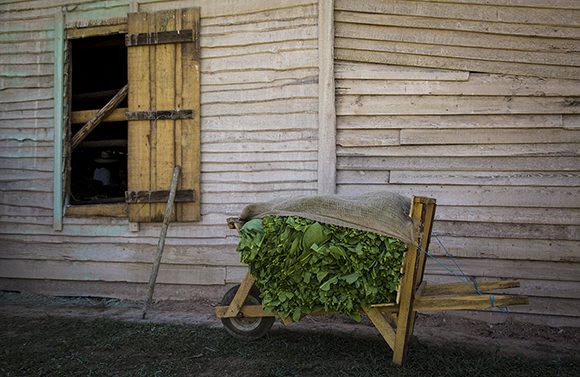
{"points": [[51, 346]]}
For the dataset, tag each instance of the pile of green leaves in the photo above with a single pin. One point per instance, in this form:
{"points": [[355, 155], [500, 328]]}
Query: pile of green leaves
{"points": [[302, 266]]}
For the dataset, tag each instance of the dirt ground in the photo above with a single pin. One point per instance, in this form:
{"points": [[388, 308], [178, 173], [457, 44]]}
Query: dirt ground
{"points": [[538, 342]]}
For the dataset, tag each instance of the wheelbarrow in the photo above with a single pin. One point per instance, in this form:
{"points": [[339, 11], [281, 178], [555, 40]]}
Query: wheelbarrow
{"points": [[243, 316]]}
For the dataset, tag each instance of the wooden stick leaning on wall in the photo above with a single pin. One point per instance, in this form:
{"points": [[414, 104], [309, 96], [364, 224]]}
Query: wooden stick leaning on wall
{"points": [[161, 244], [99, 116]]}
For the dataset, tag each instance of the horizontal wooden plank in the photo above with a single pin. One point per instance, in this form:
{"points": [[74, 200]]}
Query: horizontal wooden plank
{"points": [[26, 185], [257, 166], [15, 210], [25, 114], [235, 274], [450, 105], [536, 288], [300, 89], [261, 187], [513, 269], [495, 230], [249, 156], [27, 149], [478, 85], [494, 196], [27, 199], [258, 177], [94, 210], [260, 122], [42, 164], [255, 76], [531, 30], [118, 115], [362, 71], [281, 106], [26, 105], [356, 138], [263, 61], [118, 272], [284, 22], [304, 30], [435, 49], [489, 178], [26, 134], [546, 4], [245, 198], [571, 121], [490, 150], [504, 248], [554, 216], [119, 229], [244, 136], [466, 163], [276, 84], [360, 176], [453, 38], [297, 10], [26, 94], [29, 59], [483, 136], [230, 239], [212, 8], [37, 81], [474, 65], [450, 121], [264, 48], [541, 16], [122, 253], [262, 146], [118, 290]]}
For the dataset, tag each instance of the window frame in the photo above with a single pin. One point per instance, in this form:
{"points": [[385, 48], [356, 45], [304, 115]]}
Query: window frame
{"points": [[99, 29]]}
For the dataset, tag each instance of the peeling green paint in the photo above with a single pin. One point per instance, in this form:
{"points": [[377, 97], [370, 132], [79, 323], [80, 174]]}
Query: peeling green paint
{"points": [[58, 121]]}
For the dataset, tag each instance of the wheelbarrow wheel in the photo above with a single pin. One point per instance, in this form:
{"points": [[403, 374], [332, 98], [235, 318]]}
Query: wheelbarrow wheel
{"points": [[246, 328]]}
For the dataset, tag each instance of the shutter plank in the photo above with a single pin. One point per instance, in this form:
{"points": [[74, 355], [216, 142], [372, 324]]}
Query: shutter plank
{"points": [[164, 158], [178, 106], [190, 138], [139, 146]]}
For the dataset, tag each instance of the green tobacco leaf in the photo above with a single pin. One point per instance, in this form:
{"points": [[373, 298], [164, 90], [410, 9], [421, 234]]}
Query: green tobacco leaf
{"points": [[292, 259]]}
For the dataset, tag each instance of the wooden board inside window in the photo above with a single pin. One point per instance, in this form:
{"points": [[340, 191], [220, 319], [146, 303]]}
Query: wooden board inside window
{"points": [[164, 78]]}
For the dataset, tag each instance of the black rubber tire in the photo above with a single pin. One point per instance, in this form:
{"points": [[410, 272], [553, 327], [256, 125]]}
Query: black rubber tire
{"points": [[246, 328]]}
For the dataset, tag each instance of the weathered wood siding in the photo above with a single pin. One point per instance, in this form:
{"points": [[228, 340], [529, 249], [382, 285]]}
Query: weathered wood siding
{"points": [[494, 136], [259, 108]]}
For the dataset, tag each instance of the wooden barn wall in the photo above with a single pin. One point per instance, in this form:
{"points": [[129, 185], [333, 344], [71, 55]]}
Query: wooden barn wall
{"points": [[259, 140], [476, 103]]}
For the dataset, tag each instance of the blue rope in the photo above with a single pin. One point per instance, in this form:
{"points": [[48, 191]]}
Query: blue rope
{"points": [[472, 279]]}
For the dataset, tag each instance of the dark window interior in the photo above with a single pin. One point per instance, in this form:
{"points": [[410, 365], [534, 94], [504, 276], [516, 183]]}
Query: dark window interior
{"points": [[99, 163]]}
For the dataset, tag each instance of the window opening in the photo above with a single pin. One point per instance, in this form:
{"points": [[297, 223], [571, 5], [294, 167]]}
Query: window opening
{"points": [[99, 163]]}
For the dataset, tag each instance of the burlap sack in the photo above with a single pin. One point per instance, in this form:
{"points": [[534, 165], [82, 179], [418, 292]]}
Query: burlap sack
{"points": [[381, 212]]}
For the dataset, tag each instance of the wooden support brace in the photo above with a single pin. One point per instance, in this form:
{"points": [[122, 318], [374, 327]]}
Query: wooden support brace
{"points": [[382, 326], [96, 120], [240, 297]]}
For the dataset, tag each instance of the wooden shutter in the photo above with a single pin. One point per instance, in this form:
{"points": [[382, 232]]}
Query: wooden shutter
{"points": [[163, 112]]}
